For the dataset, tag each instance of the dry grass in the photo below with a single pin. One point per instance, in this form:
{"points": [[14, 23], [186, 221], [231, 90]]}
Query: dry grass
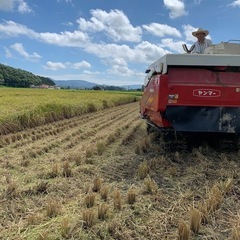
{"points": [[66, 169], [195, 220], [117, 200], [235, 233], [88, 218], [143, 170], [183, 231], [104, 193], [53, 208], [97, 184], [90, 200], [102, 211], [131, 196], [150, 186]]}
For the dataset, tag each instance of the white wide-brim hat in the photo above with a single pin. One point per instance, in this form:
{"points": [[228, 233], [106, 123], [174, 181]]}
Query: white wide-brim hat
{"points": [[200, 30]]}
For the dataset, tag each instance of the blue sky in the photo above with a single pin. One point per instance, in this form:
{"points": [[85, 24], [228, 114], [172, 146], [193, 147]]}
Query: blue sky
{"points": [[106, 41]]}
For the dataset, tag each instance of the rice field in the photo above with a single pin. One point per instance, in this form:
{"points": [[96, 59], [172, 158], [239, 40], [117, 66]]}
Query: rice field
{"points": [[21, 108], [100, 175]]}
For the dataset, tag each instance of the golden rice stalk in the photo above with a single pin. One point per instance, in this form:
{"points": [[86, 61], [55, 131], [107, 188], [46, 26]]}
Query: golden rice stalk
{"points": [[67, 171], [215, 199], [52, 209], [102, 211], [143, 170], [183, 231], [202, 207], [235, 233], [131, 196], [65, 228], [90, 200], [88, 218], [227, 185], [97, 184], [117, 201], [104, 193], [195, 220], [150, 185]]}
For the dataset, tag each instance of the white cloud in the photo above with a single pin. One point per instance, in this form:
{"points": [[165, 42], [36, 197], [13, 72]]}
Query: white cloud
{"points": [[18, 48], [175, 46], [144, 52], [90, 72], [236, 3], [114, 24], [82, 64], [68, 24], [59, 65], [9, 5], [70, 39], [188, 29], [12, 29], [161, 30], [23, 7], [54, 66], [176, 7]]}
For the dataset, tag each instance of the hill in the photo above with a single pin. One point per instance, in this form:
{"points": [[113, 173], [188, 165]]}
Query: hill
{"points": [[75, 84], [82, 84], [13, 77]]}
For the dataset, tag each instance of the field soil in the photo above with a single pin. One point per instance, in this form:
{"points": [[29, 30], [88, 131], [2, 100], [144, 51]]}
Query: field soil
{"points": [[101, 176]]}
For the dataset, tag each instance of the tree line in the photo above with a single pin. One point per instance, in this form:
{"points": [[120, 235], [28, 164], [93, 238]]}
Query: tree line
{"points": [[13, 77]]}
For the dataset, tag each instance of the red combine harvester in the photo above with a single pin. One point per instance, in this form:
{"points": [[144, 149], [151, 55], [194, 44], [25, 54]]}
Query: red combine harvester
{"points": [[195, 93]]}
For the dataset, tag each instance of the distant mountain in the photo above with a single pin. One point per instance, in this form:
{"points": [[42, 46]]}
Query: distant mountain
{"points": [[82, 84], [75, 84]]}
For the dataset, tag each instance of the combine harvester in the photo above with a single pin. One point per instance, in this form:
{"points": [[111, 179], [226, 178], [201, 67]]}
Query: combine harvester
{"points": [[195, 96]]}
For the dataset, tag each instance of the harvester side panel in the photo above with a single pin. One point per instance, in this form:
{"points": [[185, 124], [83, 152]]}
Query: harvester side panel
{"points": [[200, 87], [154, 100]]}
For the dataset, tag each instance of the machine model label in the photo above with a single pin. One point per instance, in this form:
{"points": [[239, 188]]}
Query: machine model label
{"points": [[206, 93]]}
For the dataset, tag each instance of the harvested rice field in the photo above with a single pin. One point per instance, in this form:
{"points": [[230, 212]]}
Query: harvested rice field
{"points": [[101, 176]]}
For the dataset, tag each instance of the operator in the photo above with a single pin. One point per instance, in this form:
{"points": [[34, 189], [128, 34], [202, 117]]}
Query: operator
{"points": [[202, 41]]}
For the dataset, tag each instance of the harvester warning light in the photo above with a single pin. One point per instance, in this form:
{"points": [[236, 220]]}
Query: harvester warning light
{"points": [[206, 93]]}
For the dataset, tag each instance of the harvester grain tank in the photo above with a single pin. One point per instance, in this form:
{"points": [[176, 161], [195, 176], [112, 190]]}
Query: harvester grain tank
{"points": [[194, 93]]}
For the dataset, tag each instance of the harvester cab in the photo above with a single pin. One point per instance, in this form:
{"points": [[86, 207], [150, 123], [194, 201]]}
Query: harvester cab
{"points": [[194, 93]]}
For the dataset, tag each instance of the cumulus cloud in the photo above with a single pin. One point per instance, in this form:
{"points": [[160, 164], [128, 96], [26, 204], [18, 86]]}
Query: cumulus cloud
{"points": [[236, 3], [59, 65], [54, 66], [175, 46], [9, 5], [82, 64], [144, 52], [70, 39], [114, 24], [161, 30], [187, 30], [23, 7], [176, 8], [18, 48], [12, 29]]}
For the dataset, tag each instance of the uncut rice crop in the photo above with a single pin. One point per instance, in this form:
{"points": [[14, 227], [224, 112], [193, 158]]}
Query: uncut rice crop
{"points": [[21, 108]]}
